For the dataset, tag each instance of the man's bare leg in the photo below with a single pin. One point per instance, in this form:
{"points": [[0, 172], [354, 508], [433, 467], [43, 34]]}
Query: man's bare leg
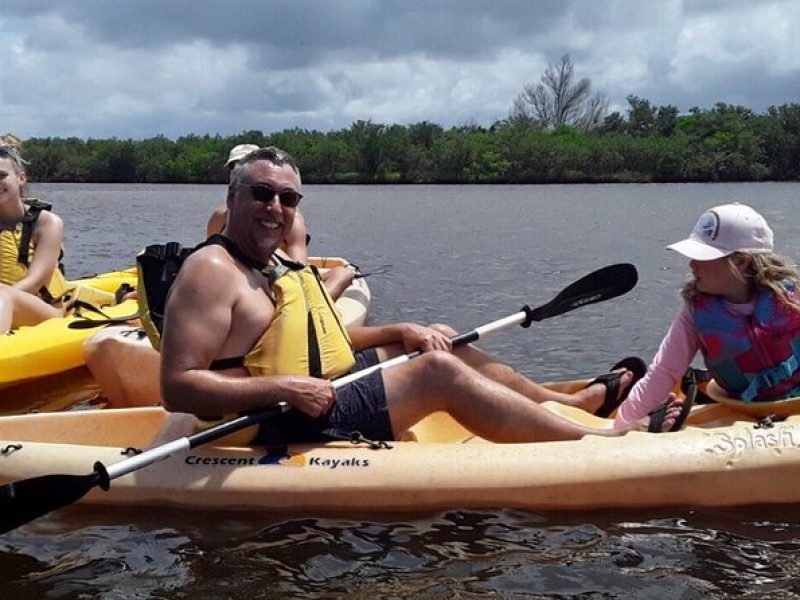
{"points": [[440, 381], [573, 394]]}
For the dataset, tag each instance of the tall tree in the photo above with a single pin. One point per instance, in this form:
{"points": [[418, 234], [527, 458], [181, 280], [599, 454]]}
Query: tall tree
{"points": [[560, 100], [641, 115], [782, 141], [645, 118]]}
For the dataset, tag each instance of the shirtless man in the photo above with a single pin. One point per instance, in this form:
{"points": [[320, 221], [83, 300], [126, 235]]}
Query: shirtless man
{"points": [[295, 243], [221, 308]]}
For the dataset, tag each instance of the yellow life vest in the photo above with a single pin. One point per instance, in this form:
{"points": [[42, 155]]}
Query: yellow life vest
{"points": [[306, 335], [17, 251]]}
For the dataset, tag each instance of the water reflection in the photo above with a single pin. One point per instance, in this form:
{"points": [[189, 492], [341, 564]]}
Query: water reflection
{"points": [[109, 561], [452, 554]]}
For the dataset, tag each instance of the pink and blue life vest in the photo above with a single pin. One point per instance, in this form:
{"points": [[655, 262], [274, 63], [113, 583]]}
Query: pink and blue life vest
{"points": [[755, 357]]}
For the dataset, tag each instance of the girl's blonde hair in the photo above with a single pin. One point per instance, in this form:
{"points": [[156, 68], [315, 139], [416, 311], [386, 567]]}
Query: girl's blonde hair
{"points": [[11, 140], [763, 271]]}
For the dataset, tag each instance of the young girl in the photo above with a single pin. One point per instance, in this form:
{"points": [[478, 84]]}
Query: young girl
{"points": [[30, 246], [741, 312]]}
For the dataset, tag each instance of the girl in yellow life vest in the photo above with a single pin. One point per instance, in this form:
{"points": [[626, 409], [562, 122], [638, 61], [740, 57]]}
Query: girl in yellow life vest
{"points": [[25, 284]]}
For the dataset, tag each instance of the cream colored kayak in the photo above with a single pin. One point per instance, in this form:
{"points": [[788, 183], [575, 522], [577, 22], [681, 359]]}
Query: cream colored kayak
{"points": [[126, 367], [783, 408], [721, 459]]}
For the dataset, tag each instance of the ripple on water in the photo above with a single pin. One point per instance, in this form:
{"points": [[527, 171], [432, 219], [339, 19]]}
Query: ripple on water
{"points": [[696, 554]]}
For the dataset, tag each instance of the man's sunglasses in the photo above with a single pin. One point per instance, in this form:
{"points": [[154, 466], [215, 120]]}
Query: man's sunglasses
{"points": [[266, 194]]}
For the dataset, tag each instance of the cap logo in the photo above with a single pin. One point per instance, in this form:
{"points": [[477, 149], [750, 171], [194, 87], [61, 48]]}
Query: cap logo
{"points": [[708, 225]]}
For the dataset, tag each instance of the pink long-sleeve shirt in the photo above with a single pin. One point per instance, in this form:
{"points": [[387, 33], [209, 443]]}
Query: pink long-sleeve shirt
{"points": [[675, 354]]}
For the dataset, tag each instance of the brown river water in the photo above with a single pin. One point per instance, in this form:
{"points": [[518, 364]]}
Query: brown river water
{"points": [[465, 255]]}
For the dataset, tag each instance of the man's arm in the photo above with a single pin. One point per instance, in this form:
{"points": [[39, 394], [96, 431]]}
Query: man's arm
{"points": [[294, 244], [338, 280], [410, 335], [197, 327], [216, 222], [47, 238]]}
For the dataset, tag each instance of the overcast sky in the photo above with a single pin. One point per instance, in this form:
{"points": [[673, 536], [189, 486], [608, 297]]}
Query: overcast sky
{"points": [[139, 68]]}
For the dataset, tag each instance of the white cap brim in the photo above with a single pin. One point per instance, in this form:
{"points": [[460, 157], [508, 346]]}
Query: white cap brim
{"points": [[696, 250], [236, 158], [237, 153]]}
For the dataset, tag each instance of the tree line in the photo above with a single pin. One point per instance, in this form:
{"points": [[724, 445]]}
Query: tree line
{"points": [[649, 144], [556, 132]]}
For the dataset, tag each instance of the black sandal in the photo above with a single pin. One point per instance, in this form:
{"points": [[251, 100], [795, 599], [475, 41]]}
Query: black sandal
{"points": [[657, 416], [613, 398]]}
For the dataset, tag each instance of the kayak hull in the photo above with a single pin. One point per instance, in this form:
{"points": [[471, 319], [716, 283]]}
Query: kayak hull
{"points": [[722, 460], [50, 347]]}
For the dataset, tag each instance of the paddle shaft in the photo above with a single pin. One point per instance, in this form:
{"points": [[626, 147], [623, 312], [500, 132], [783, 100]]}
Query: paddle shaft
{"points": [[458, 340], [159, 453], [603, 284]]}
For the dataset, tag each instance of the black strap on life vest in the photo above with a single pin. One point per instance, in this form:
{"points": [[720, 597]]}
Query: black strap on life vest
{"points": [[237, 253], [158, 267], [234, 250], [45, 295], [696, 377], [35, 208]]}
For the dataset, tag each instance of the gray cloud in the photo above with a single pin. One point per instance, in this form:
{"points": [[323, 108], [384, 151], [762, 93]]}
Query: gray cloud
{"points": [[137, 69]]}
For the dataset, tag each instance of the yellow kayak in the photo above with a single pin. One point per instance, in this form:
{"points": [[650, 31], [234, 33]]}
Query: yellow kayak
{"points": [[51, 347], [722, 458]]}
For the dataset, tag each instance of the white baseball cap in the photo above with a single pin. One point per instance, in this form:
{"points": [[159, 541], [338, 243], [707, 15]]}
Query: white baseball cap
{"points": [[723, 230], [239, 152]]}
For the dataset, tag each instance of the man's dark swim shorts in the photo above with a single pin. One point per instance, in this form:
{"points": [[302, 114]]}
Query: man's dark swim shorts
{"points": [[359, 406]]}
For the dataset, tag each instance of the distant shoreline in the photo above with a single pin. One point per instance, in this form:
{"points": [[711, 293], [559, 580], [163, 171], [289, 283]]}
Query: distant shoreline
{"points": [[723, 144]]}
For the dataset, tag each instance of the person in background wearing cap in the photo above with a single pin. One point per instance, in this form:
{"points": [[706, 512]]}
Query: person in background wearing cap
{"points": [[741, 311], [295, 245]]}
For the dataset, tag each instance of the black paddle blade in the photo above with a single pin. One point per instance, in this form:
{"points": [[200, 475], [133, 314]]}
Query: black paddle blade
{"points": [[23, 501], [603, 284]]}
